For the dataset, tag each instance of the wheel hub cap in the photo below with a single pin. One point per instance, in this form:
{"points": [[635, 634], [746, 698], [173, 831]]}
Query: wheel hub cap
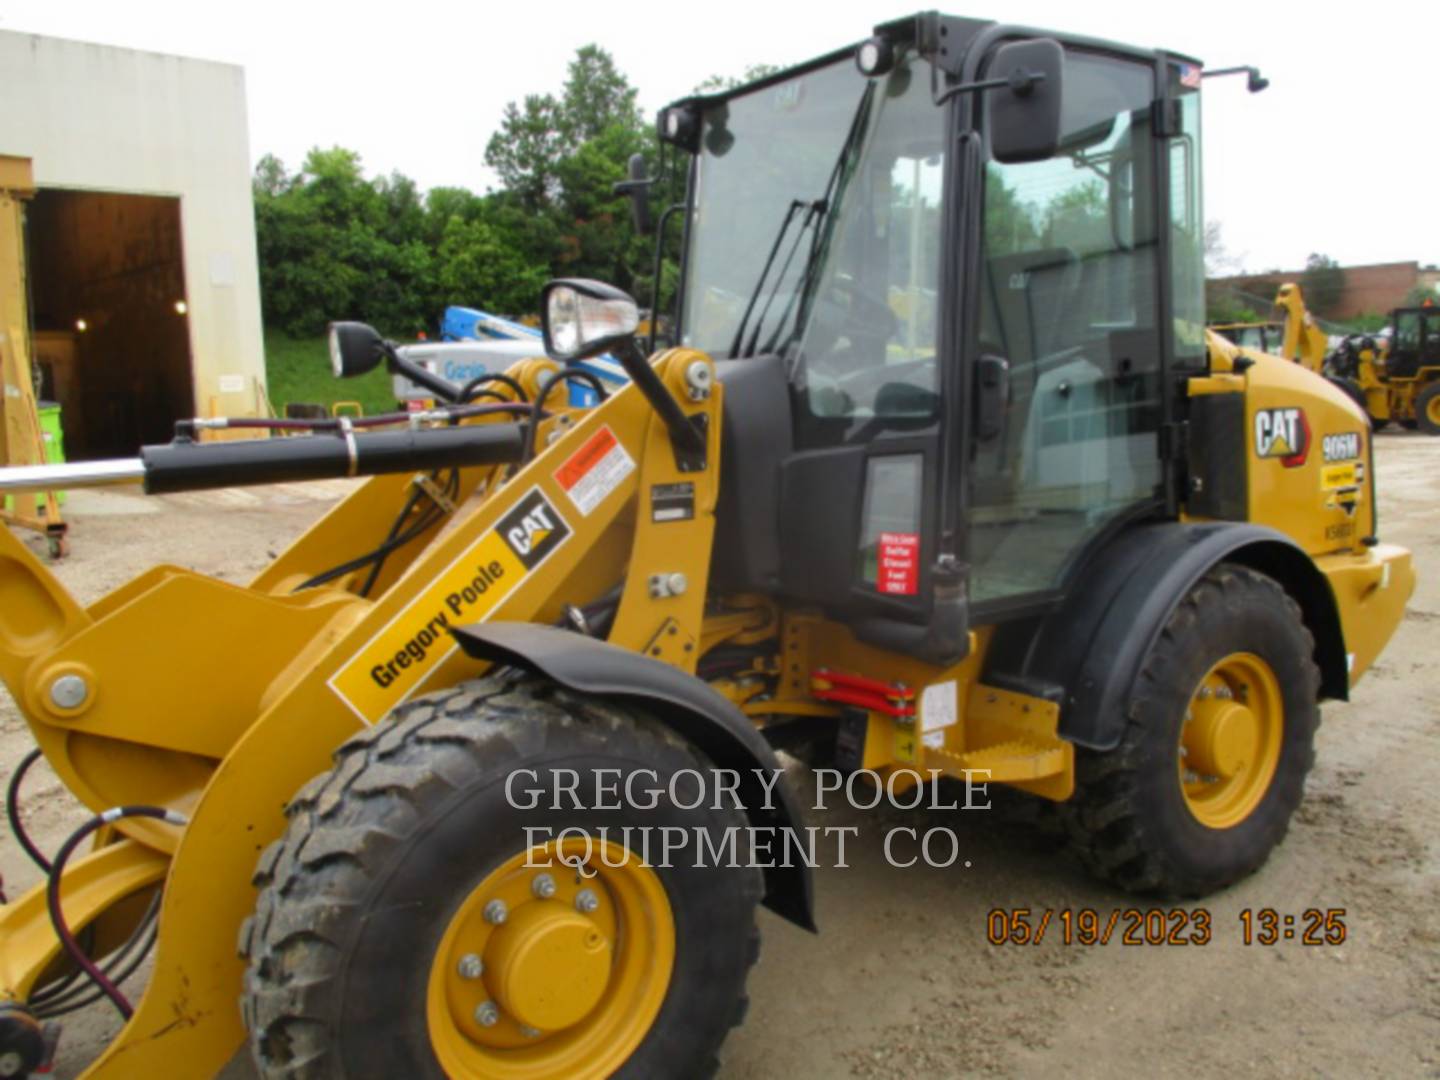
{"points": [[1225, 741], [574, 958], [547, 967], [1230, 740]]}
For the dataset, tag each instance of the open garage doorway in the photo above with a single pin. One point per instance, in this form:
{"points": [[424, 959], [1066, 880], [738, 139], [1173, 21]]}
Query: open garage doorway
{"points": [[110, 317]]}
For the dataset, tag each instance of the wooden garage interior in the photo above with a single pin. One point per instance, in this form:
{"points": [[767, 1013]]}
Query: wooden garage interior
{"points": [[110, 317]]}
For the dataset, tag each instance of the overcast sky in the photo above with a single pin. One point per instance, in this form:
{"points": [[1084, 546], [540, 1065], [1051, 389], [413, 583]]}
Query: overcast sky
{"points": [[1339, 156]]}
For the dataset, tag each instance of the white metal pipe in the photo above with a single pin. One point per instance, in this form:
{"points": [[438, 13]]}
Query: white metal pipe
{"points": [[79, 474]]}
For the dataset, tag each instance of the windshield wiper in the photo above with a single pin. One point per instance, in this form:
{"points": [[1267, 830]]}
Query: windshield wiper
{"points": [[818, 217], [811, 209], [840, 175]]}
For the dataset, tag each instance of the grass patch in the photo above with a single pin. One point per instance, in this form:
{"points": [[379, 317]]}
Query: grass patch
{"points": [[298, 370]]}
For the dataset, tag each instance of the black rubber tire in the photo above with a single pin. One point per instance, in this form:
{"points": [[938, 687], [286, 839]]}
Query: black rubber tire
{"points": [[1423, 402], [381, 851], [1410, 425], [1128, 820]]}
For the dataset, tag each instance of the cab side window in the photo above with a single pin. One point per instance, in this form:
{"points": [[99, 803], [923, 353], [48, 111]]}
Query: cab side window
{"points": [[1069, 302]]}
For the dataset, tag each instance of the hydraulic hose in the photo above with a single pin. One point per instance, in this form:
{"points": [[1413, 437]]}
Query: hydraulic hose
{"points": [[52, 895]]}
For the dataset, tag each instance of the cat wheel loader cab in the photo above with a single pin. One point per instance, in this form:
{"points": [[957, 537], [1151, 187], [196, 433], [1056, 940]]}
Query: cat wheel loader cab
{"points": [[1395, 378], [943, 478]]}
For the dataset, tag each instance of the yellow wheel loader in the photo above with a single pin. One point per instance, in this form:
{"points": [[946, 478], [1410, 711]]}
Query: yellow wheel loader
{"points": [[478, 778], [1396, 378]]}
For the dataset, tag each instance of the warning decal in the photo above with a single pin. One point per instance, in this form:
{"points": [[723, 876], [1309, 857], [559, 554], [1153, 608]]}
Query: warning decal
{"points": [[392, 665], [899, 564], [595, 470], [939, 709]]}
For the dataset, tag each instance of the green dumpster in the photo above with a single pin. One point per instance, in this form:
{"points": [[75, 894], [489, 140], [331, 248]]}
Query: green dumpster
{"points": [[53, 435]]}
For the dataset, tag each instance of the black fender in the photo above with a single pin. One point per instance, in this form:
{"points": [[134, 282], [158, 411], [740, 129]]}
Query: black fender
{"points": [[1087, 652], [687, 705]]}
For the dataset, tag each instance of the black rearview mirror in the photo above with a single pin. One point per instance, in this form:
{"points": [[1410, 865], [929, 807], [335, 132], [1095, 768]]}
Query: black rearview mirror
{"points": [[638, 188], [1023, 117]]}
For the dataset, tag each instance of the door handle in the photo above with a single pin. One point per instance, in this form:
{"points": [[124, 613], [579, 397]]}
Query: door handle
{"points": [[992, 396]]}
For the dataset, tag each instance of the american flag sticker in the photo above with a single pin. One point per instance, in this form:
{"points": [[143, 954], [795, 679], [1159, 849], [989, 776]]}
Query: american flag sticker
{"points": [[1190, 76]]}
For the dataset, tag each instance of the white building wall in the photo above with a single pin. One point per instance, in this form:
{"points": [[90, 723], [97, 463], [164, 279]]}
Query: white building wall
{"points": [[98, 118]]}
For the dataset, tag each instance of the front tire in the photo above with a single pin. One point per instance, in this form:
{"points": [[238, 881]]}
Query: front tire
{"points": [[1427, 409], [1219, 737], [373, 950]]}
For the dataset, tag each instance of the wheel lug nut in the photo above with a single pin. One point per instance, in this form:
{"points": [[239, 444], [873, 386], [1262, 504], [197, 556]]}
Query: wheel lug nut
{"points": [[471, 966], [529, 1032], [486, 1014], [543, 886], [496, 912], [586, 901]]}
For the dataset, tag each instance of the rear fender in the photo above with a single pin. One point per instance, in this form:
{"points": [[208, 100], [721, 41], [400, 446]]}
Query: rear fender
{"points": [[1088, 652]]}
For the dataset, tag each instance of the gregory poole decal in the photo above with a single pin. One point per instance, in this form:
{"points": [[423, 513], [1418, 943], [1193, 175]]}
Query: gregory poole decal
{"points": [[392, 664], [1284, 434]]}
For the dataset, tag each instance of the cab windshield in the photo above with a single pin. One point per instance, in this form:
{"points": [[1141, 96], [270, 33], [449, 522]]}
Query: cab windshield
{"points": [[816, 235]]}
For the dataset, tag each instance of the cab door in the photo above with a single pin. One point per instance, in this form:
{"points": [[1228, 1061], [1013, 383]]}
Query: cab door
{"points": [[1069, 319], [858, 497]]}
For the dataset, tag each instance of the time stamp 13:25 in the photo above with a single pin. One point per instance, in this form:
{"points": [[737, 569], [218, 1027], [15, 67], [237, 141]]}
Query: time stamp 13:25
{"points": [[1161, 926]]}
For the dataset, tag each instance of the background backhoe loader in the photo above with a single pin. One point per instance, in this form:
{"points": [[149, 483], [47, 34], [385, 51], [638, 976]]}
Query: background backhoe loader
{"points": [[404, 796], [1295, 337]]}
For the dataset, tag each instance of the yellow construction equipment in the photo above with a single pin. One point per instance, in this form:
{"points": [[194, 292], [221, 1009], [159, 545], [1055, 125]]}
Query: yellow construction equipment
{"points": [[478, 777], [1296, 336], [1395, 378], [21, 440]]}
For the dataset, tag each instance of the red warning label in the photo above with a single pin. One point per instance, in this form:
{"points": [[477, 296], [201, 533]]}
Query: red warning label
{"points": [[899, 573], [596, 469]]}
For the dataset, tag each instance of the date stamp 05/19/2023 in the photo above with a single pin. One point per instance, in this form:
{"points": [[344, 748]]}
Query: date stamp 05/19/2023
{"points": [[1136, 926]]}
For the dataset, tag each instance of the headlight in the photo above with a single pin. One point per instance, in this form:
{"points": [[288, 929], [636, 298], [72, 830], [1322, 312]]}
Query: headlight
{"points": [[584, 318], [354, 349], [875, 57]]}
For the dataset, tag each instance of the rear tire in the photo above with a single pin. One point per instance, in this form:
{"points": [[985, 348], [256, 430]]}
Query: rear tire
{"points": [[1137, 818], [1427, 409], [385, 855]]}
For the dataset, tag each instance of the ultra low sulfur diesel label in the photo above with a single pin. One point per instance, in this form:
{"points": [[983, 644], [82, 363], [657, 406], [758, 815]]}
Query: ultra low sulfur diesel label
{"points": [[392, 664]]}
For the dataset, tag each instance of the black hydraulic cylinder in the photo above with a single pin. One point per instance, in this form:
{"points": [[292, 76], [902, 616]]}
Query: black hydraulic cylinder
{"points": [[191, 466]]}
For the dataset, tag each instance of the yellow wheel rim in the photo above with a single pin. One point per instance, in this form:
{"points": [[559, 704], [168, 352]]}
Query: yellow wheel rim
{"points": [[1432, 410], [544, 973], [1230, 741]]}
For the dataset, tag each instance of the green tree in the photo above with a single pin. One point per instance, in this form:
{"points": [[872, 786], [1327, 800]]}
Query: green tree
{"points": [[527, 147], [558, 159], [474, 264], [597, 97], [1421, 295], [1323, 282], [336, 244]]}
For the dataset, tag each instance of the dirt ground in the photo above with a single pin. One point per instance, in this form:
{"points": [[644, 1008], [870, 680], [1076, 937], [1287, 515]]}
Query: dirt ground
{"points": [[902, 982]]}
